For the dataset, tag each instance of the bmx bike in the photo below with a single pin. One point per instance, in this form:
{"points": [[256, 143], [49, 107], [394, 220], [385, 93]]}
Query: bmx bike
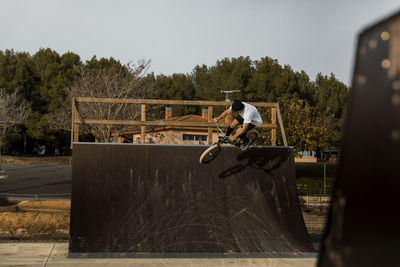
{"points": [[213, 151]]}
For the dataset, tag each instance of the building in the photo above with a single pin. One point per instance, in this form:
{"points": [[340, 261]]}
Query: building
{"points": [[307, 156], [174, 134]]}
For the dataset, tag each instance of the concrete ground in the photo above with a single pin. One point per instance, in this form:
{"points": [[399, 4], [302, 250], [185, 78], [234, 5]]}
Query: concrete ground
{"points": [[56, 254]]}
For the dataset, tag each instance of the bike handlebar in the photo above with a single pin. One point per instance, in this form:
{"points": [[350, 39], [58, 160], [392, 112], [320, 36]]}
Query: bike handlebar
{"points": [[219, 128]]}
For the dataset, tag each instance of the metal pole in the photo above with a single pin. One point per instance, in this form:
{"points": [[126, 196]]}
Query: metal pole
{"points": [[229, 92]]}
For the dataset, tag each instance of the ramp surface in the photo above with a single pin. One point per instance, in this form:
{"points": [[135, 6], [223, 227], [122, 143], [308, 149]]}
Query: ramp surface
{"points": [[159, 199]]}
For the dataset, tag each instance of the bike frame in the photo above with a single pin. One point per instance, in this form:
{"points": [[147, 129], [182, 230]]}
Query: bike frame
{"points": [[214, 150], [224, 139]]}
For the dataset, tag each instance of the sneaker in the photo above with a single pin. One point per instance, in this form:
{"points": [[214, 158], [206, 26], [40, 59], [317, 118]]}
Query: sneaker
{"points": [[245, 144]]}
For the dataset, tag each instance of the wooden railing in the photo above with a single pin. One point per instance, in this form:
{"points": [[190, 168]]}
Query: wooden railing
{"points": [[77, 120]]}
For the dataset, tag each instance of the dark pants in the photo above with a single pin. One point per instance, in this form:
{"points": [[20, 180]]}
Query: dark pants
{"points": [[240, 120]]}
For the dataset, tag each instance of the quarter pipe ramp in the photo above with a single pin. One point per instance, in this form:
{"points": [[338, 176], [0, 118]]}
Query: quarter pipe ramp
{"points": [[159, 199]]}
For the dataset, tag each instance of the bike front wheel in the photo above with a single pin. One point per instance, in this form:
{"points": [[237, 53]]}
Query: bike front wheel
{"points": [[210, 154]]}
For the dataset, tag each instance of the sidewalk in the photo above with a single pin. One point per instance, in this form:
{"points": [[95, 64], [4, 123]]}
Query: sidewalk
{"points": [[56, 254]]}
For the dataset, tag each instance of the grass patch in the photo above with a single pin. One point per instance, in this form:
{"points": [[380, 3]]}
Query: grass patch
{"points": [[33, 160], [35, 220], [310, 177]]}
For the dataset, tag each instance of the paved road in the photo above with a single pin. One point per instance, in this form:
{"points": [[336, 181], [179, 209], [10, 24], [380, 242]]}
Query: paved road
{"points": [[56, 254], [32, 181]]}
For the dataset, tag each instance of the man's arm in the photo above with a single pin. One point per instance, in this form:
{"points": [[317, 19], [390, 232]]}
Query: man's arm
{"points": [[239, 132], [223, 115]]}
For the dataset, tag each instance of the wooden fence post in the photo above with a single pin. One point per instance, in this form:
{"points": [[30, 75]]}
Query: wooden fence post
{"points": [[143, 128], [72, 122], [210, 132], [75, 123], [281, 125], [273, 121]]}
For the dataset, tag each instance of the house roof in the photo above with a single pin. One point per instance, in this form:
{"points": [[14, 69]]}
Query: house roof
{"points": [[185, 118], [189, 118]]}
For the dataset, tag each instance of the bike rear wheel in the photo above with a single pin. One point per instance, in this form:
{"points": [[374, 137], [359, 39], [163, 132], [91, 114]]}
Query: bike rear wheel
{"points": [[210, 154], [252, 135]]}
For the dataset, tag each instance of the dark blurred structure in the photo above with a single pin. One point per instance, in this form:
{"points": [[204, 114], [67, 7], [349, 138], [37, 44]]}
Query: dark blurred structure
{"points": [[129, 198], [329, 155], [364, 222]]}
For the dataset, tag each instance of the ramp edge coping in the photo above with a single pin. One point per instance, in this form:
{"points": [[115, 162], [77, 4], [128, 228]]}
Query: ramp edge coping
{"points": [[182, 145], [76, 255]]}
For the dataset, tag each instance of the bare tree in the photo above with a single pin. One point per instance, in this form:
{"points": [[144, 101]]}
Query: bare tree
{"points": [[14, 110], [128, 81]]}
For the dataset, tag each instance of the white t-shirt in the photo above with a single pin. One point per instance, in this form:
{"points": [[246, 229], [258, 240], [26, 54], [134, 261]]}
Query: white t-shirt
{"points": [[250, 114]]}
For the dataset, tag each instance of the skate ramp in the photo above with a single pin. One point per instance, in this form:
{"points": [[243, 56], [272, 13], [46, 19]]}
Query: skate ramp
{"points": [[363, 224], [159, 199]]}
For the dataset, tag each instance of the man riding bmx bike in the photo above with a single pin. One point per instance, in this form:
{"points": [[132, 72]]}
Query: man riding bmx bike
{"points": [[246, 115]]}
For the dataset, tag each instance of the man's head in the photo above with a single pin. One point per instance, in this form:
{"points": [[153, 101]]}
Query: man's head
{"points": [[237, 106]]}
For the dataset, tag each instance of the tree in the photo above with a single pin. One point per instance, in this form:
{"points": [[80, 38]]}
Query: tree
{"points": [[203, 79], [226, 75], [16, 71], [177, 87], [52, 73], [330, 92], [112, 81], [262, 85], [271, 82], [43, 77], [14, 110], [306, 127], [233, 74]]}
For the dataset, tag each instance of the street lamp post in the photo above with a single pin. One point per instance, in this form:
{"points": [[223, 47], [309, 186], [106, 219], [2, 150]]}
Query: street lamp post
{"points": [[229, 92]]}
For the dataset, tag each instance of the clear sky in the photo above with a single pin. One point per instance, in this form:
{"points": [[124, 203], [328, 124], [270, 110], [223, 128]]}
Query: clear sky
{"points": [[176, 35]]}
